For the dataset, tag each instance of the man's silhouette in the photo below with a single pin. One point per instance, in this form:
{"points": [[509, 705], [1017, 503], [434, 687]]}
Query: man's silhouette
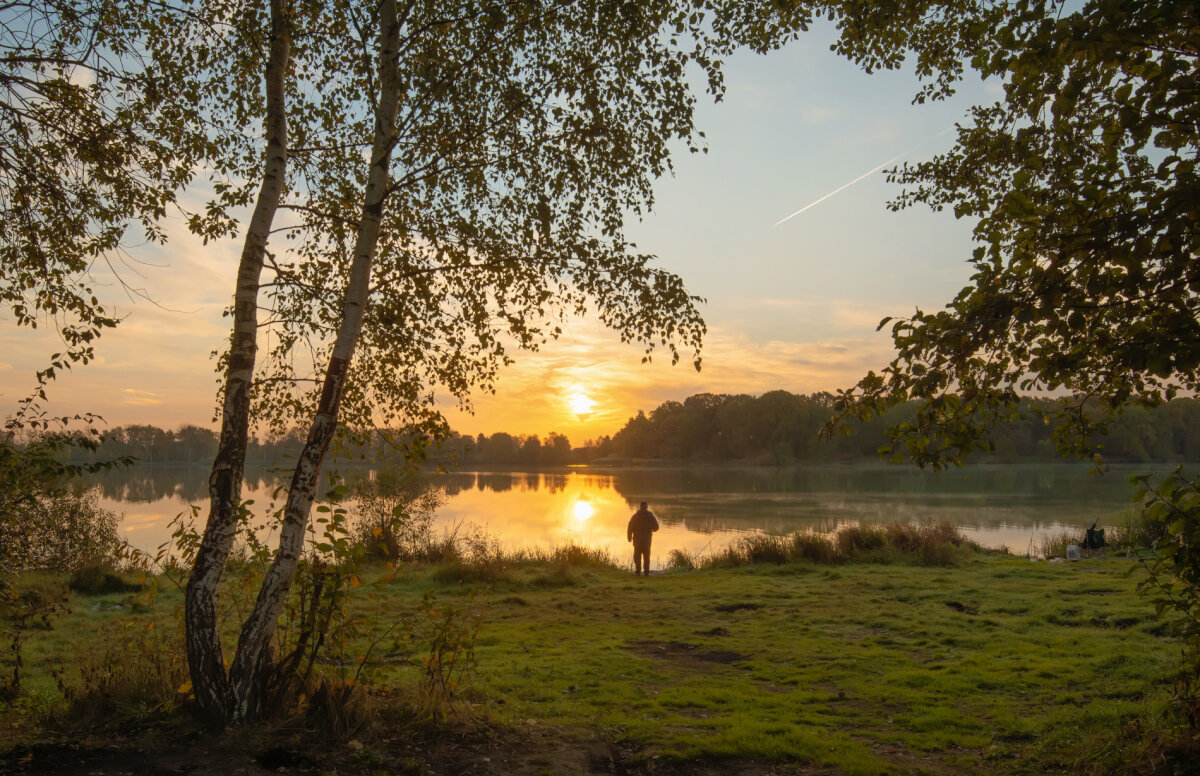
{"points": [[641, 530]]}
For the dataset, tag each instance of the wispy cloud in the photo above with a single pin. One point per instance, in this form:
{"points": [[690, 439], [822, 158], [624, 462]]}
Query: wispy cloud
{"points": [[815, 115], [138, 398], [533, 394]]}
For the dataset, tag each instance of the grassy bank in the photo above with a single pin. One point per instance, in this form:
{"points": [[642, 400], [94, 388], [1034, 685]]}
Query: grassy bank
{"points": [[999, 665], [992, 665]]}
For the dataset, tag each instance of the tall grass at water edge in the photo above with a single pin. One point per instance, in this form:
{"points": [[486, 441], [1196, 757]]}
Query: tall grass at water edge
{"points": [[926, 544], [1126, 534], [471, 555]]}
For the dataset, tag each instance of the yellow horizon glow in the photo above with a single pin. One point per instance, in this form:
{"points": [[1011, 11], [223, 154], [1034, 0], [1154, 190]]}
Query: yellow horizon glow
{"points": [[580, 404]]}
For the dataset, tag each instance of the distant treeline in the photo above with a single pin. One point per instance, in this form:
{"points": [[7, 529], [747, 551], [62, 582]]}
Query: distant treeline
{"points": [[775, 428], [780, 427], [192, 444]]}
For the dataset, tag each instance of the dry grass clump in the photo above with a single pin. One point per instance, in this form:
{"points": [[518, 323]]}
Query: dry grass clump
{"points": [[765, 548], [475, 555], [1055, 545], [856, 541], [569, 554], [813, 547]]}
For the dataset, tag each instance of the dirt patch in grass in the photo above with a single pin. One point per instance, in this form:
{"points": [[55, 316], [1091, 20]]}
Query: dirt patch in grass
{"points": [[682, 652], [740, 606], [718, 631]]}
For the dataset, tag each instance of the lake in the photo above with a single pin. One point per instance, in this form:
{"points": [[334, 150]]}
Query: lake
{"points": [[699, 508]]}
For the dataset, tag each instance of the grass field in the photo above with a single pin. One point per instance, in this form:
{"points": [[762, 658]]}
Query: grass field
{"points": [[993, 665]]}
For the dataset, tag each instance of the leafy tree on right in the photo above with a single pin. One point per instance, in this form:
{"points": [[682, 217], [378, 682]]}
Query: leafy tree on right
{"points": [[1083, 181]]}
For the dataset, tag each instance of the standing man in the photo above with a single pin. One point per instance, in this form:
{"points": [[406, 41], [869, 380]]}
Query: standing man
{"points": [[641, 530]]}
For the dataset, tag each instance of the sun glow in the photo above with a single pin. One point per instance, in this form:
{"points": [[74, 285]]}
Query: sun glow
{"points": [[580, 404], [582, 510]]}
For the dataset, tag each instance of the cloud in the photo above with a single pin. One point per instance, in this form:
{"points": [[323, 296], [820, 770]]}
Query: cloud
{"points": [[532, 396], [138, 398], [815, 115]]}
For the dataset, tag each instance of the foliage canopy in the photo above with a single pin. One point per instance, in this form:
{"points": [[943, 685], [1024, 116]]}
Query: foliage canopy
{"points": [[1083, 181]]}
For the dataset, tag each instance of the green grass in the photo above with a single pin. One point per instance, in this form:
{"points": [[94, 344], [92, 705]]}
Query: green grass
{"points": [[997, 664], [993, 665]]}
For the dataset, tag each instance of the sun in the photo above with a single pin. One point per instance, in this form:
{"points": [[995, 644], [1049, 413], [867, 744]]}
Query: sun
{"points": [[582, 510], [580, 404]]}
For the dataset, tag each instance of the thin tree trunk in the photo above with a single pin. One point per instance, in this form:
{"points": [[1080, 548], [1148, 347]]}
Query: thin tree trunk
{"points": [[250, 669], [203, 639]]}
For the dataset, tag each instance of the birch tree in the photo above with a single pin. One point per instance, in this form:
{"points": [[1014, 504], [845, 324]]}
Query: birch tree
{"points": [[467, 197], [100, 129]]}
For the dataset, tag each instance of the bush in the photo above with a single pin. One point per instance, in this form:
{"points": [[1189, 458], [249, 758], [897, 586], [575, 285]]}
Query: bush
{"points": [[1171, 510], [1135, 532], [930, 544], [814, 548], [64, 531], [681, 560], [98, 580], [477, 557], [764, 548], [1055, 546], [131, 670], [573, 554], [394, 514], [858, 540], [25, 606]]}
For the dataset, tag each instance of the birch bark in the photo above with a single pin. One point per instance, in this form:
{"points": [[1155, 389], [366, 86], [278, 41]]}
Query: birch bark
{"points": [[202, 634], [249, 673]]}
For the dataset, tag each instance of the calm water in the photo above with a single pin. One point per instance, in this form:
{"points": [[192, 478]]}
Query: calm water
{"points": [[702, 507]]}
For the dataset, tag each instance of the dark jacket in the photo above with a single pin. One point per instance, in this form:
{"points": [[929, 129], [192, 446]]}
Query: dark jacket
{"points": [[641, 526]]}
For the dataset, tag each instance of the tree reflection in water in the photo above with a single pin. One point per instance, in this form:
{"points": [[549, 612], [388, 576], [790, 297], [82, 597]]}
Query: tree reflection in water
{"points": [[698, 507]]}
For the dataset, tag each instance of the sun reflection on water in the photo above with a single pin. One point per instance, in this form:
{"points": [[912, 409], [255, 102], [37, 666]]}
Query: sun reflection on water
{"points": [[700, 510]]}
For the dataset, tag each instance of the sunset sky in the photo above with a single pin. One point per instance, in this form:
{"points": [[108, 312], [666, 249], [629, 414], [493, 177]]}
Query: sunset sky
{"points": [[791, 306]]}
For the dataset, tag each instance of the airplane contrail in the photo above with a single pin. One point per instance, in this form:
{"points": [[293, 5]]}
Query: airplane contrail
{"points": [[871, 171]]}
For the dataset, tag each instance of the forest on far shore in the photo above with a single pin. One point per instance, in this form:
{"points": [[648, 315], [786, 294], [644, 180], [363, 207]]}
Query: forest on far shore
{"points": [[776, 428]]}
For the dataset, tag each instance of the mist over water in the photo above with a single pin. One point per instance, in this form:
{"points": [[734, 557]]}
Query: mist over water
{"points": [[699, 508]]}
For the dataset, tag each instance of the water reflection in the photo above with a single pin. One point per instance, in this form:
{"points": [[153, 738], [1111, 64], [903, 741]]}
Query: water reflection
{"points": [[698, 508]]}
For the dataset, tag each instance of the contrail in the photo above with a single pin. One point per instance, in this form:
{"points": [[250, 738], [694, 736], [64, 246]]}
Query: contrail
{"points": [[871, 171]]}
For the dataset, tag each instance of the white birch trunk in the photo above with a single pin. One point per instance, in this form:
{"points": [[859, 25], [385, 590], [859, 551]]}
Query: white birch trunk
{"points": [[250, 669], [203, 640]]}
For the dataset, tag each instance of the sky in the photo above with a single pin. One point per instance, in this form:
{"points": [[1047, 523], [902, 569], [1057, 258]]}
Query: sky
{"points": [[790, 305]]}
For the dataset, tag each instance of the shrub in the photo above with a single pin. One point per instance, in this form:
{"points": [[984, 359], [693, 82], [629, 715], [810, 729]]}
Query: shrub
{"points": [[1135, 532], [813, 547], [478, 557], [62, 531], [1171, 510], [681, 560], [764, 548], [928, 543], [98, 580], [24, 607], [132, 669], [572, 554], [394, 514], [934, 544], [857, 540], [731, 556], [1055, 546]]}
